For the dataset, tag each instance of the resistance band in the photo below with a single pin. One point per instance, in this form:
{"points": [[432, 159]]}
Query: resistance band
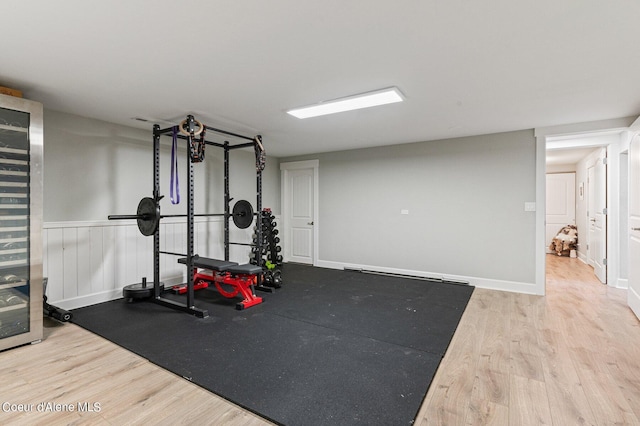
{"points": [[174, 189]]}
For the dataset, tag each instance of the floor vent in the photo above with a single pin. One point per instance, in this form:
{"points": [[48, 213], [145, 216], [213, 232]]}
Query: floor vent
{"points": [[413, 277]]}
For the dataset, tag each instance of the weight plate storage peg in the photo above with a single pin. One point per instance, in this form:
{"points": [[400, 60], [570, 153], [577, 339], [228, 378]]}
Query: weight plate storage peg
{"points": [[139, 291]]}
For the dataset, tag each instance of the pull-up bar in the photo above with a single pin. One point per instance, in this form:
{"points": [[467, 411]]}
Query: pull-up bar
{"points": [[213, 129]]}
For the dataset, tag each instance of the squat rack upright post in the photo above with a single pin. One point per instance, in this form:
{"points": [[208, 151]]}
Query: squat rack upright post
{"points": [[227, 200], [189, 307], [156, 197], [258, 254]]}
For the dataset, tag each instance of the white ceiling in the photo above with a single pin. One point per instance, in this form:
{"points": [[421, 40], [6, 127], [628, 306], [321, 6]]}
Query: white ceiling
{"points": [[466, 67], [570, 149], [567, 156]]}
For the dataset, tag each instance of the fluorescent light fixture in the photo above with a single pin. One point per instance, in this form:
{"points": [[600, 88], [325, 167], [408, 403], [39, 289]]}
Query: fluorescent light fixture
{"points": [[364, 100]]}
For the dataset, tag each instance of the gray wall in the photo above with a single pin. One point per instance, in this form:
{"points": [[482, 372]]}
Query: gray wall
{"points": [[465, 199], [93, 169], [465, 196]]}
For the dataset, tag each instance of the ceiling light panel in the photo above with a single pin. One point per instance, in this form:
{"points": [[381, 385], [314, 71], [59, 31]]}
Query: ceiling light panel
{"points": [[363, 100]]}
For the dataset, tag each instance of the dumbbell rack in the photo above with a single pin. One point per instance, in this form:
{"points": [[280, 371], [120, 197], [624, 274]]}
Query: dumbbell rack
{"points": [[20, 222], [266, 250]]}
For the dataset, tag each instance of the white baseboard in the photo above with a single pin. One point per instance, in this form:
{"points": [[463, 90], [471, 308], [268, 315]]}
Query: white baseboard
{"points": [[512, 286], [101, 297], [623, 283], [90, 299]]}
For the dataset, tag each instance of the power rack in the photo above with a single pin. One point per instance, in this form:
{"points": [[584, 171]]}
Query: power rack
{"points": [[148, 214]]}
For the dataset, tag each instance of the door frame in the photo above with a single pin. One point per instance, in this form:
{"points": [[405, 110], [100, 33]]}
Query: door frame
{"points": [[618, 125], [633, 296], [285, 168]]}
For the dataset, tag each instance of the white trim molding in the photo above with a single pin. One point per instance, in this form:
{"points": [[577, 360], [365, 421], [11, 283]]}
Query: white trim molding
{"points": [[487, 283]]}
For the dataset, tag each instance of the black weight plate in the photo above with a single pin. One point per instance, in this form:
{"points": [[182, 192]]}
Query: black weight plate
{"points": [[148, 216], [139, 291], [242, 214]]}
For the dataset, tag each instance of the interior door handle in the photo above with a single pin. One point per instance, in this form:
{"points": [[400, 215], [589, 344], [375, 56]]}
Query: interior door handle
{"points": [[635, 229], [309, 223]]}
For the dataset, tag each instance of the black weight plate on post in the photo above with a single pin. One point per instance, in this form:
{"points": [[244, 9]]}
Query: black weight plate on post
{"points": [[139, 291], [242, 214], [148, 216]]}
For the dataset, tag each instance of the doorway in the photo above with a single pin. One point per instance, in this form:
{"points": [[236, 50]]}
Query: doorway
{"points": [[300, 206], [585, 156]]}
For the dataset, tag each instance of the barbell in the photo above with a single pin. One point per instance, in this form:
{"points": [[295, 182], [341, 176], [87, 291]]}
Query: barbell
{"points": [[148, 215]]}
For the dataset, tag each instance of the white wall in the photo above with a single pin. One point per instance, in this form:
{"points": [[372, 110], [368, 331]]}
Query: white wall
{"points": [[93, 169], [465, 199], [90, 262]]}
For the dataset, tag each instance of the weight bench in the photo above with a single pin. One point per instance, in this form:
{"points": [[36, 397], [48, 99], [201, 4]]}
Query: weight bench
{"points": [[240, 277]]}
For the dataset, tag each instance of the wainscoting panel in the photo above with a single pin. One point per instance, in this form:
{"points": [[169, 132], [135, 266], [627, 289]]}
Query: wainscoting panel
{"points": [[90, 262]]}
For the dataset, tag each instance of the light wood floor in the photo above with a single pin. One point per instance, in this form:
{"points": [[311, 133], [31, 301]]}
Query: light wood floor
{"points": [[569, 358]]}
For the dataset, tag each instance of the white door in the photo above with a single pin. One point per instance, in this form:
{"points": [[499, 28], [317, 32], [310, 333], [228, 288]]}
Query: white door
{"points": [[633, 294], [299, 211], [598, 242], [561, 203], [590, 213]]}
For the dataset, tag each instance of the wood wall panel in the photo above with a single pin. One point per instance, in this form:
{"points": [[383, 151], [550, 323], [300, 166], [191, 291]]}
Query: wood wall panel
{"points": [[90, 262]]}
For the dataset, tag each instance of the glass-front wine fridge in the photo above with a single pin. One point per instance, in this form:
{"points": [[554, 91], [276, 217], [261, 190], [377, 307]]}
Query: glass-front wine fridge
{"points": [[21, 151]]}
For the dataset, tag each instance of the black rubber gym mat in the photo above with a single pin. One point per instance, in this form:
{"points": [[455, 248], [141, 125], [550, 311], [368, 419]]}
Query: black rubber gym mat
{"points": [[330, 347]]}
